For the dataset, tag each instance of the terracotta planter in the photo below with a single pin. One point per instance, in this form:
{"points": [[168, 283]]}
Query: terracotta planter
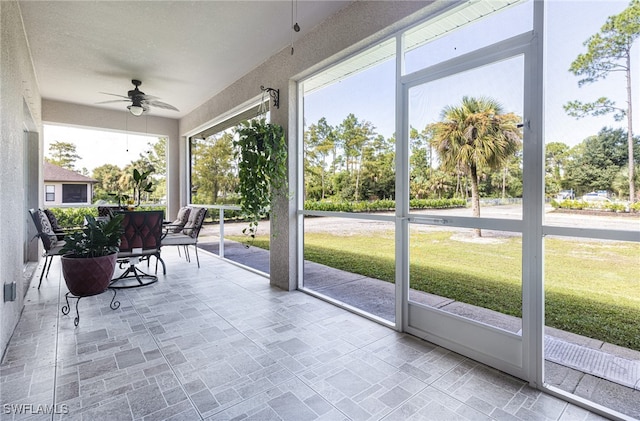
{"points": [[87, 276]]}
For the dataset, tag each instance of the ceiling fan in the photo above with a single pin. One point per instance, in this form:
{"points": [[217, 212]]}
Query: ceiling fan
{"points": [[140, 102]]}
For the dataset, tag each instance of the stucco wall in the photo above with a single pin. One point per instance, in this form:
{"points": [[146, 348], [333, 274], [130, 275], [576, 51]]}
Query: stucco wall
{"points": [[353, 28], [19, 108]]}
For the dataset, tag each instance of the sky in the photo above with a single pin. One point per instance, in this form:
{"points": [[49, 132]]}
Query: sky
{"points": [[97, 147], [569, 23], [370, 94]]}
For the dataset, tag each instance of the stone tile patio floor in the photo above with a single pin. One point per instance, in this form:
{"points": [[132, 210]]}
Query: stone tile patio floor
{"points": [[218, 343], [601, 372]]}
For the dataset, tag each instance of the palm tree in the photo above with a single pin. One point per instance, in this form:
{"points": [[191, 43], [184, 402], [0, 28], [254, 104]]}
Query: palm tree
{"points": [[476, 134]]}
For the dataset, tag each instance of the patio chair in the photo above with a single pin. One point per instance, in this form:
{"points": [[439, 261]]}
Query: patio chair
{"points": [[181, 219], [108, 211], [140, 241], [52, 245], [188, 236], [53, 220]]}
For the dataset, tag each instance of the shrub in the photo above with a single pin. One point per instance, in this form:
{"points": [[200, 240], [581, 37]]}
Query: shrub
{"points": [[73, 217], [615, 207], [381, 205]]}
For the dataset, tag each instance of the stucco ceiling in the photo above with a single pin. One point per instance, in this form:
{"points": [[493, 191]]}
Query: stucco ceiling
{"points": [[184, 52]]}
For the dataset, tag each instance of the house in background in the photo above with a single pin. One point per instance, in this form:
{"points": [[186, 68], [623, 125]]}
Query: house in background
{"points": [[63, 186]]}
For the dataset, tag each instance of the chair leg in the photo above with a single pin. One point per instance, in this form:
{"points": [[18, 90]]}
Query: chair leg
{"points": [[44, 268], [197, 258], [49, 267], [186, 253], [164, 267]]}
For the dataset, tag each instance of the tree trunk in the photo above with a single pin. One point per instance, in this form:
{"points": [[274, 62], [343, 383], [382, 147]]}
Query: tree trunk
{"points": [[322, 182], [475, 197], [358, 179], [632, 181], [504, 183]]}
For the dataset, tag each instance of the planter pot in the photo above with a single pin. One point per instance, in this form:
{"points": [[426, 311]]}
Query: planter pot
{"points": [[87, 276]]}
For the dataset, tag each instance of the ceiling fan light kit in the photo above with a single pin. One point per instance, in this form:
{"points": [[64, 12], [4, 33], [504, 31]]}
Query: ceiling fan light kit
{"points": [[136, 110], [140, 102]]}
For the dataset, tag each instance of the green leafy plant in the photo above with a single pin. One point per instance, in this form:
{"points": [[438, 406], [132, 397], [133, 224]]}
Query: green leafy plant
{"points": [[73, 217], [381, 205], [261, 151], [141, 183], [97, 238]]}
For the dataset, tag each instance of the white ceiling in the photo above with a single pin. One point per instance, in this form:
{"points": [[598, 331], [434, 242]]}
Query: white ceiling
{"points": [[184, 52]]}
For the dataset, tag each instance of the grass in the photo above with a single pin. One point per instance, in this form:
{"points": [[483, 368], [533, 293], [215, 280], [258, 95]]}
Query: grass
{"points": [[592, 288]]}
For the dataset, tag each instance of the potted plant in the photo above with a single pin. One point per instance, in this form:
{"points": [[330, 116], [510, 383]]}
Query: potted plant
{"points": [[261, 151], [89, 256]]}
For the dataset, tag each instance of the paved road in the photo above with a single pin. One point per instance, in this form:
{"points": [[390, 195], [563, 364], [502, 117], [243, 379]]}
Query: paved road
{"points": [[349, 225]]}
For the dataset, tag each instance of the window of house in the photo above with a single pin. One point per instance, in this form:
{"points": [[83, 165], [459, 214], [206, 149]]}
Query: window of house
{"points": [[50, 193], [74, 193]]}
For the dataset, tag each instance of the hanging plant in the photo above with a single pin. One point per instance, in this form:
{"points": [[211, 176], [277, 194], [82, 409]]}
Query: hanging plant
{"points": [[261, 151]]}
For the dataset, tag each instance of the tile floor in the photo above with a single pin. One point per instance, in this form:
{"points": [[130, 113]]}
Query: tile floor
{"points": [[218, 343]]}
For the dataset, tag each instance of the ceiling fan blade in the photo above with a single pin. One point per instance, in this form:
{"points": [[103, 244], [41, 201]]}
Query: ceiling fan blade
{"points": [[114, 100], [121, 96], [160, 104], [146, 97], [137, 98]]}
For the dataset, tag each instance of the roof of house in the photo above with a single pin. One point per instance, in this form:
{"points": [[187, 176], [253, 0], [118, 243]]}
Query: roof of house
{"points": [[56, 173]]}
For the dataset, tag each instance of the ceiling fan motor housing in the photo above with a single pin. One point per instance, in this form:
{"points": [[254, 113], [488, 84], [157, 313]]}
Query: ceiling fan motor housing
{"points": [[135, 92]]}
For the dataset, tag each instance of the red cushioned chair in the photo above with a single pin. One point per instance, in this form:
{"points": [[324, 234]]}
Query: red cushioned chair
{"points": [[140, 240]]}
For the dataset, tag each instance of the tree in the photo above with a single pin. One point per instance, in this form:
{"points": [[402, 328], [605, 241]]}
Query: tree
{"points": [[420, 159], [215, 168], [378, 174], [555, 154], [594, 163], [326, 144], [156, 156], [63, 154], [319, 142], [355, 135], [108, 176], [475, 134], [610, 51]]}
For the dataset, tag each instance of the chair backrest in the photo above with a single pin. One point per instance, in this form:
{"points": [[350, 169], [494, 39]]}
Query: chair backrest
{"points": [[142, 230], [52, 220], [181, 219], [107, 211], [195, 221], [43, 226]]}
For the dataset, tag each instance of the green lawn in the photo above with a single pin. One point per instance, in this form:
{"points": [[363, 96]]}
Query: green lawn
{"points": [[592, 288]]}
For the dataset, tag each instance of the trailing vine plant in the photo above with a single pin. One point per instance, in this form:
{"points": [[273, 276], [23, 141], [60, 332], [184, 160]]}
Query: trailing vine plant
{"points": [[261, 151]]}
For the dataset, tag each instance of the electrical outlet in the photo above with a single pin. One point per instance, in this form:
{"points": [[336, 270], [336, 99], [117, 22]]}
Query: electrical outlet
{"points": [[10, 292]]}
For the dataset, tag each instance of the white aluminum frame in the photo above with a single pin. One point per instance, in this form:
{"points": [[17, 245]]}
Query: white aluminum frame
{"points": [[528, 362], [496, 347]]}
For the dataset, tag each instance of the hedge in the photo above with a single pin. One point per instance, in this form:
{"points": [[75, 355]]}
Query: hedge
{"points": [[381, 205]]}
